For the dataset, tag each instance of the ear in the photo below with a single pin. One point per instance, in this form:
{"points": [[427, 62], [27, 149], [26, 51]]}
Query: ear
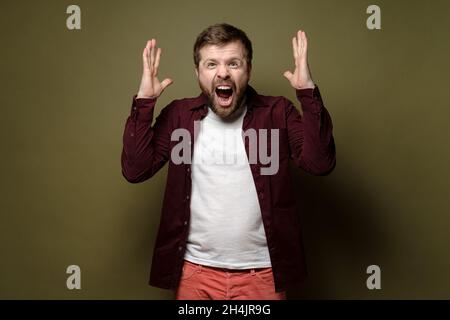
{"points": [[196, 71]]}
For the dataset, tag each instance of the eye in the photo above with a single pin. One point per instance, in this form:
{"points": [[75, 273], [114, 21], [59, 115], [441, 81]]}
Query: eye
{"points": [[234, 64], [210, 65]]}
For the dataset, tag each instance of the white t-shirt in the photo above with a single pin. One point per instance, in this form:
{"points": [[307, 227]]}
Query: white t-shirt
{"points": [[226, 228]]}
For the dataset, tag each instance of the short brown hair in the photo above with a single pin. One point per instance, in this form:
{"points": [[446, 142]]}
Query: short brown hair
{"points": [[221, 34]]}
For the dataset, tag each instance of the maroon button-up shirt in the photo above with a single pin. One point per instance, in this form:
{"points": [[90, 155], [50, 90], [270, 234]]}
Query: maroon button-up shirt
{"points": [[306, 140]]}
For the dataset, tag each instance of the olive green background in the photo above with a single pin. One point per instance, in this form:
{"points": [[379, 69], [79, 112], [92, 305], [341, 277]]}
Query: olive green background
{"points": [[65, 96]]}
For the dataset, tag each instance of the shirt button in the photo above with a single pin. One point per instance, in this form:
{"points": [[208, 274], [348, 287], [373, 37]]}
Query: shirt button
{"points": [[132, 134], [187, 197], [180, 248], [185, 222], [134, 108], [188, 169]]}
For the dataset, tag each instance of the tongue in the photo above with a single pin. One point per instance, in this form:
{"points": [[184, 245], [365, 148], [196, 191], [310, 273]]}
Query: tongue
{"points": [[224, 95]]}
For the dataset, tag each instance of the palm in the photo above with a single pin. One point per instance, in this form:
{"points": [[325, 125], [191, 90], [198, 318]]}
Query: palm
{"points": [[301, 78]]}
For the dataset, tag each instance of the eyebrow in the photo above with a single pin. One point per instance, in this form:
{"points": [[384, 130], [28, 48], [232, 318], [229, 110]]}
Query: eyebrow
{"points": [[231, 59]]}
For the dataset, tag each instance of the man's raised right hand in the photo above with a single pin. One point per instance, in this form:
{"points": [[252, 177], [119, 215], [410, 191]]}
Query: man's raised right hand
{"points": [[150, 86]]}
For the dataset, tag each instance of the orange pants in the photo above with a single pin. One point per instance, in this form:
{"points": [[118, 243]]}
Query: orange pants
{"points": [[200, 282]]}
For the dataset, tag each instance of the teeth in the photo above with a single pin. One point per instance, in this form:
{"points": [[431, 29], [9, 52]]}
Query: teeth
{"points": [[223, 87]]}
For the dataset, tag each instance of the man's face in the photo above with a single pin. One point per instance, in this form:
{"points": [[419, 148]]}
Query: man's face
{"points": [[223, 75]]}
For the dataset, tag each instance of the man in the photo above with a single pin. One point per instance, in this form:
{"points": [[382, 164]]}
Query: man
{"points": [[229, 229]]}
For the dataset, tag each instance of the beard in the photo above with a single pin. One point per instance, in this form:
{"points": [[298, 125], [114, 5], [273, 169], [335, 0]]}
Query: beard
{"points": [[237, 97]]}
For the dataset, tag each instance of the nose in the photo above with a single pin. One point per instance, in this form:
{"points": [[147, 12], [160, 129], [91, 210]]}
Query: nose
{"points": [[222, 72]]}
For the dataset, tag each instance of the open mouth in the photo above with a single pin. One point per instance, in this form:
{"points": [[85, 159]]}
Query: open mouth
{"points": [[224, 94]]}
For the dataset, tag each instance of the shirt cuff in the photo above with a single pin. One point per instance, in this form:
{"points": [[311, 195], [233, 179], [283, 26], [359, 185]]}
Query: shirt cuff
{"points": [[143, 102], [142, 108], [310, 99]]}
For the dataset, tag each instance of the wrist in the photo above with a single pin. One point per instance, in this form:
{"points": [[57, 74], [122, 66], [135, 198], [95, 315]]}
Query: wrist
{"points": [[143, 96], [307, 85]]}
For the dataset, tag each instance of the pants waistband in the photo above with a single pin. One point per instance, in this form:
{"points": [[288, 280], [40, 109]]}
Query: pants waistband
{"points": [[249, 270]]}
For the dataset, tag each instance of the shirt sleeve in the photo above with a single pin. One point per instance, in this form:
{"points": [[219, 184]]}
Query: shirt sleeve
{"points": [[145, 147], [311, 141]]}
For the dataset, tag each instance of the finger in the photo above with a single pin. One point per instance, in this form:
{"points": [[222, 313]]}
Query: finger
{"points": [[144, 59], [154, 53], [149, 59], [150, 54], [299, 42], [166, 83], [158, 57], [145, 54], [295, 48], [288, 75], [149, 45], [305, 43]]}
